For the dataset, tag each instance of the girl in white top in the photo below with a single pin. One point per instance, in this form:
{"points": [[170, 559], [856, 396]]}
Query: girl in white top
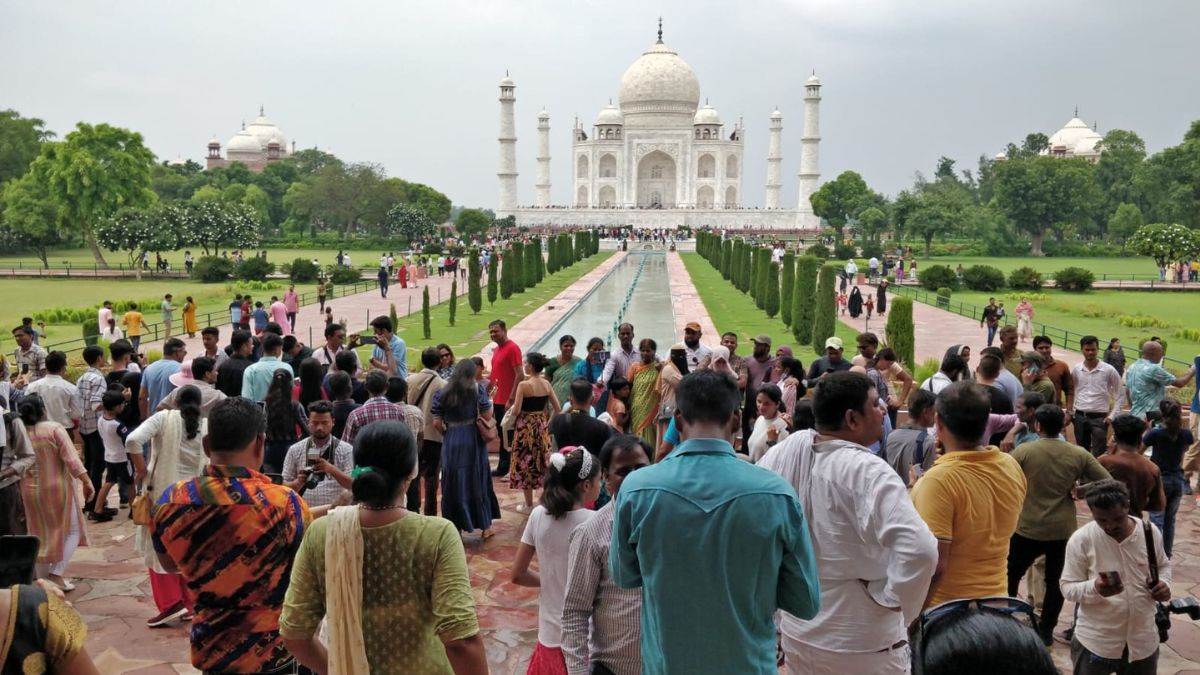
{"points": [[572, 480], [771, 425]]}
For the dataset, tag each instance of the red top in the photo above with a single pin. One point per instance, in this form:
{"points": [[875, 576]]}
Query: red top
{"points": [[505, 360]]}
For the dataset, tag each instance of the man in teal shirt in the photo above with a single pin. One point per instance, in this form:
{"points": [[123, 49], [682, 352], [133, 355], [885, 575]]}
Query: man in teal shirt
{"points": [[1146, 380], [716, 544], [257, 377]]}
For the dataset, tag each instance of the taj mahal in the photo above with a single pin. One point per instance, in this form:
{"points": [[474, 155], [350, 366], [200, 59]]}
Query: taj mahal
{"points": [[660, 159]]}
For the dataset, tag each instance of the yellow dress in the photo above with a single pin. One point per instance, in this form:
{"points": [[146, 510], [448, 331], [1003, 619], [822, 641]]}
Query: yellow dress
{"points": [[189, 318], [40, 632]]}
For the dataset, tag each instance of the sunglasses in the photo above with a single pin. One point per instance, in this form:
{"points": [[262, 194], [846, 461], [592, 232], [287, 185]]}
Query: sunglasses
{"points": [[1018, 610]]}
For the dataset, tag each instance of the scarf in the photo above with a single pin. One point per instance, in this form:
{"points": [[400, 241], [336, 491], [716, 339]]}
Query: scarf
{"points": [[344, 592]]}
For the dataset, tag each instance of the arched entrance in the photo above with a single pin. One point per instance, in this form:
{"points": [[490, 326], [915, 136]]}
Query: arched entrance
{"points": [[731, 197], [608, 196], [656, 181], [704, 197]]}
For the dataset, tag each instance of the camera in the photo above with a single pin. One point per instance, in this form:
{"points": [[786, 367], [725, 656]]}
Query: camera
{"points": [[1162, 614], [314, 479]]}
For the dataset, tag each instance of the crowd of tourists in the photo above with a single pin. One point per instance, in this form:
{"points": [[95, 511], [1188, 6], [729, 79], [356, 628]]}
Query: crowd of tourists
{"points": [[304, 510]]}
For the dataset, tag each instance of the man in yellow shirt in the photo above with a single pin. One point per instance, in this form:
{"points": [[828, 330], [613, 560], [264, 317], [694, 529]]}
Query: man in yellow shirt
{"points": [[970, 498], [132, 321]]}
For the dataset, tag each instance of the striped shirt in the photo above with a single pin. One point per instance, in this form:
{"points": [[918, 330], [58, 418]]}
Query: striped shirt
{"points": [[91, 386], [375, 409], [614, 612]]}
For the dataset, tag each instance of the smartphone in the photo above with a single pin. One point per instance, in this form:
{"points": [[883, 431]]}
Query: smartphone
{"points": [[1111, 578], [601, 357], [24, 368]]}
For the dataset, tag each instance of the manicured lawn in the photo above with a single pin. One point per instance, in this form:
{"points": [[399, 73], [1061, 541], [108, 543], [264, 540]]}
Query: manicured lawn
{"points": [[732, 310], [470, 332], [82, 257], [1113, 267]]}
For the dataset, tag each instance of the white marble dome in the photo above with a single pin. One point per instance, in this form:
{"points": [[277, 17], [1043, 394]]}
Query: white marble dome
{"points": [[265, 131], [813, 80], [610, 115], [707, 115], [244, 141], [1077, 137], [659, 81], [777, 115]]}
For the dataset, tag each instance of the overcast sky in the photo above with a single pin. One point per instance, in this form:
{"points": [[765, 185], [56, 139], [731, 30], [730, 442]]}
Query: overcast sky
{"points": [[412, 85]]}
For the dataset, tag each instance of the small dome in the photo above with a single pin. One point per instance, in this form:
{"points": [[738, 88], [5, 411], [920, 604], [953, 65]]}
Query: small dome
{"points": [[777, 115], [265, 131], [244, 141], [214, 141], [610, 115], [707, 115], [543, 115], [1077, 137], [812, 81], [659, 81], [507, 81], [178, 161]]}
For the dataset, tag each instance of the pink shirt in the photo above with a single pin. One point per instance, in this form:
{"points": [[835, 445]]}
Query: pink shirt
{"points": [[279, 316], [291, 301]]}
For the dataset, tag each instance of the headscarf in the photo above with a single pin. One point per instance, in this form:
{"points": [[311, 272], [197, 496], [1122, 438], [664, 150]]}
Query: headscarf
{"points": [[965, 372], [784, 351], [720, 360]]}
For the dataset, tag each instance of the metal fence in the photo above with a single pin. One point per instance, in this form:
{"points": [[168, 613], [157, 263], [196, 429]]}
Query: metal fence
{"points": [[1062, 337]]}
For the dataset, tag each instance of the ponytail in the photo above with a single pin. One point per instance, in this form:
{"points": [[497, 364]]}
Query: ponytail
{"points": [[189, 408], [565, 476]]}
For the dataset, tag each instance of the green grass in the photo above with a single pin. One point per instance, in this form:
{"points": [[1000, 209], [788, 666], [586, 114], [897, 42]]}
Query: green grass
{"points": [[734, 311], [470, 333], [1099, 266], [82, 257]]}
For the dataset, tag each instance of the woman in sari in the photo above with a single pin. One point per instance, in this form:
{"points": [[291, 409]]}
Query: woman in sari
{"points": [[51, 492], [1024, 320], [644, 401], [189, 317], [561, 370], [176, 453], [402, 274]]}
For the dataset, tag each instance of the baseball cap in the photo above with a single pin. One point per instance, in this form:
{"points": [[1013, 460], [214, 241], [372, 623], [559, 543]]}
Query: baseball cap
{"points": [[835, 342], [692, 325], [1032, 357], [763, 339]]}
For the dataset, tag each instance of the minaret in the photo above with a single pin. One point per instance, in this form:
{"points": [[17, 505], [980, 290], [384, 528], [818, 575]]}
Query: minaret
{"points": [[774, 160], [810, 146], [508, 147], [543, 159]]}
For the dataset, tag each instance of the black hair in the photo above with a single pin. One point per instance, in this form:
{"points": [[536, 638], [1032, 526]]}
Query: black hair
{"points": [[989, 366], [172, 345], [537, 361], [1049, 419], [920, 401], [92, 353], [802, 416], [234, 423], [1032, 400], [333, 328], [397, 389], [1168, 407], [1089, 340], [648, 341], [562, 489], [119, 349], [387, 451], [210, 330], [706, 396], [131, 379], [188, 402], [772, 392], [581, 390], [1113, 342], [867, 339], [567, 338], [319, 407], [201, 366], [1128, 429], [992, 351], [462, 386], [22, 329], [309, 373], [271, 342], [886, 354], [953, 366], [619, 382], [793, 367], [376, 383], [56, 361], [346, 362], [112, 399], [594, 341], [498, 322], [281, 416], [963, 409], [239, 338], [430, 357], [383, 323], [1041, 340], [1107, 494], [289, 342], [31, 409], [838, 393], [982, 643], [339, 385], [620, 443]]}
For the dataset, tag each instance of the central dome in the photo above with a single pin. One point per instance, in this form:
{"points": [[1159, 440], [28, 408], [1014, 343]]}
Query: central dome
{"points": [[659, 82]]}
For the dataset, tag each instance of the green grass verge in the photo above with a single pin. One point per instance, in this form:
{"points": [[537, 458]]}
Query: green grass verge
{"points": [[82, 257], [470, 333], [734, 311], [1113, 267]]}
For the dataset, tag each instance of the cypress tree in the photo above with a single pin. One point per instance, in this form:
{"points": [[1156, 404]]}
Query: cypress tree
{"points": [[899, 331], [787, 287], [764, 272], [474, 292], [802, 298], [747, 269], [735, 264], [518, 282], [550, 268], [392, 315], [507, 273], [772, 300], [541, 262], [727, 259], [425, 312], [755, 274], [493, 278], [568, 251], [532, 254], [453, 299], [825, 308]]}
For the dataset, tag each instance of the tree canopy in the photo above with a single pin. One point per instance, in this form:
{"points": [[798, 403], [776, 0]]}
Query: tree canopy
{"points": [[840, 199], [20, 143]]}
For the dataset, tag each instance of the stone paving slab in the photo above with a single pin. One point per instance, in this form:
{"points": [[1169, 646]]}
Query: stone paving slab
{"points": [[687, 302]]}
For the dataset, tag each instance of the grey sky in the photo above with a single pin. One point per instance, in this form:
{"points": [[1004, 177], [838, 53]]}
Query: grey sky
{"points": [[412, 86]]}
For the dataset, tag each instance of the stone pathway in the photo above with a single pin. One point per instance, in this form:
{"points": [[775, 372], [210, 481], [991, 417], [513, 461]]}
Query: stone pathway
{"points": [[687, 302]]}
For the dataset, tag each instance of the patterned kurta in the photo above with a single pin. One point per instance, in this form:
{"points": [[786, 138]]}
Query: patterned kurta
{"points": [[50, 490], [233, 534]]}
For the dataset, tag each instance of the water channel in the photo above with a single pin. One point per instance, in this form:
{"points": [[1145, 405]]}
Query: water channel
{"points": [[636, 291]]}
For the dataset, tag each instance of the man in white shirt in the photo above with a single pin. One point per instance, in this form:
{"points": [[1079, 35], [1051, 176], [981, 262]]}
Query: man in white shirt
{"points": [[63, 404], [875, 554], [873, 267], [321, 455], [851, 269], [1094, 398], [335, 339], [697, 353], [621, 358], [1107, 575]]}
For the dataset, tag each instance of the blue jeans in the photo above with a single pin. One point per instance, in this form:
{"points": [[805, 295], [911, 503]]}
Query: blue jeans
{"points": [[1165, 519], [991, 332]]}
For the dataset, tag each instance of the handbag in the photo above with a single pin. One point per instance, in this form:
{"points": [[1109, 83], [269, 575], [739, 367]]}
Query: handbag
{"points": [[488, 432], [141, 510]]}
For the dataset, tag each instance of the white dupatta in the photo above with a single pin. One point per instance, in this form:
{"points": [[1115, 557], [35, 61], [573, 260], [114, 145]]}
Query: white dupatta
{"points": [[344, 592]]}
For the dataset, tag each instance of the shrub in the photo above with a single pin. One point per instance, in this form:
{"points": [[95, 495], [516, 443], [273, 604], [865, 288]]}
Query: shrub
{"points": [[425, 329], [825, 307], [345, 275], [1192, 334], [210, 269], [772, 293], [1074, 279], [91, 331], [787, 286], [254, 268], [303, 269], [432, 248], [925, 370], [983, 278], [1140, 321], [871, 250], [844, 251], [803, 296], [943, 297], [453, 300], [900, 331], [818, 251], [1025, 278], [938, 276]]}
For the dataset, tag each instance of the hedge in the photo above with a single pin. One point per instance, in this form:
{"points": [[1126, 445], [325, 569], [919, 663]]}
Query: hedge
{"points": [[787, 287], [803, 297], [1025, 279], [983, 278], [1074, 279], [900, 331], [825, 308], [938, 276]]}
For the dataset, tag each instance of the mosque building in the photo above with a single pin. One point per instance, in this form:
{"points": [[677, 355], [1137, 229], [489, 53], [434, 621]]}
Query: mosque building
{"points": [[255, 145], [657, 158], [1075, 139]]}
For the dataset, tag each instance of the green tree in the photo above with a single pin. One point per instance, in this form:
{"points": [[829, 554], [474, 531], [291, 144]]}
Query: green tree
{"points": [[552, 254], [425, 327], [900, 331], [747, 267], [214, 225], [435, 205], [872, 221], [492, 279], [94, 172], [21, 140], [761, 276], [1125, 221], [727, 259], [508, 273], [1122, 152], [933, 211], [787, 287], [824, 308], [453, 299], [29, 218], [1166, 243], [803, 297], [772, 292], [409, 223], [533, 256], [840, 199], [472, 222], [139, 231], [1040, 193], [519, 275], [474, 292], [1167, 182]]}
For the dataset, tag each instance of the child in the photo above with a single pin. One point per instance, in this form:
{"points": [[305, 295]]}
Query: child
{"points": [[328, 315], [116, 463], [572, 479], [869, 304], [841, 303], [260, 318]]}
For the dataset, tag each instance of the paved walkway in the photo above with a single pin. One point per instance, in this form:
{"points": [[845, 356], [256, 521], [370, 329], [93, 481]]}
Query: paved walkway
{"points": [[687, 302]]}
